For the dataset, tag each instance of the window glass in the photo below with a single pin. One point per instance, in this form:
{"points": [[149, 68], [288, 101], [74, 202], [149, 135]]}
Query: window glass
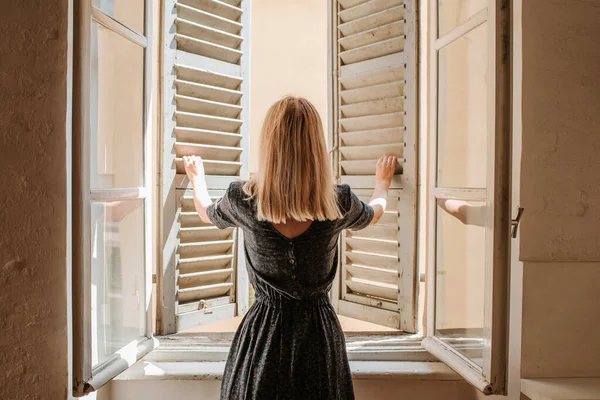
{"points": [[460, 277], [462, 111], [452, 13], [117, 110], [118, 306], [128, 12]]}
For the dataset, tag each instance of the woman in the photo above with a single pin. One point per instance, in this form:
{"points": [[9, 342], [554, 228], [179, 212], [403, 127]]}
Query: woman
{"points": [[290, 344]]}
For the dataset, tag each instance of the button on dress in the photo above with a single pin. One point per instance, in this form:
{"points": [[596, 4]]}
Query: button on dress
{"points": [[289, 344]]}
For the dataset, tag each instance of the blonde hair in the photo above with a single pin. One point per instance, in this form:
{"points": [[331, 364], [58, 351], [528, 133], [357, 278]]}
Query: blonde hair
{"points": [[294, 178]]}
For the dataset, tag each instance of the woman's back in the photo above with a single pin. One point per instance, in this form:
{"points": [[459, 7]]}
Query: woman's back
{"points": [[290, 344]]}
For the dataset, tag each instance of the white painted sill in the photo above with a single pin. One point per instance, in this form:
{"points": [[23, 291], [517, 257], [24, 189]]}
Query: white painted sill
{"points": [[146, 370], [379, 359]]}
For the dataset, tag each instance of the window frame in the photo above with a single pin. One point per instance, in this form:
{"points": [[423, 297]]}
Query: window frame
{"points": [[491, 377], [86, 377]]}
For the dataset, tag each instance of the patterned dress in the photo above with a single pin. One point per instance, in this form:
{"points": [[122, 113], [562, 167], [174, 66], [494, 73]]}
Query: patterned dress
{"points": [[290, 344]]}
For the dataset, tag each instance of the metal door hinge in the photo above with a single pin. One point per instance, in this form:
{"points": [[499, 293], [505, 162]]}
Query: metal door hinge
{"points": [[153, 278], [515, 222]]}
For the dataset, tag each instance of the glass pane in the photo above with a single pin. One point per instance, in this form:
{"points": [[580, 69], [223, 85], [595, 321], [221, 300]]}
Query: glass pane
{"points": [[117, 110], [462, 111], [128, 12], [452, 13], [460, 275], [118, 276]]}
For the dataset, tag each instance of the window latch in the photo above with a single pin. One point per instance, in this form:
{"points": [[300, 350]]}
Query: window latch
{"points": [[515, 222]]}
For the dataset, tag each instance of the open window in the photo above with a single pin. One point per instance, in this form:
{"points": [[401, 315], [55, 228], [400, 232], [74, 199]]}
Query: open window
{"points": [[112, 175], [374, 113], [468, 252], [205, 97]]}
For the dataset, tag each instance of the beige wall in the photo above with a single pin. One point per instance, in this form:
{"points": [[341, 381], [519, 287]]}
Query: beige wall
{"points": [[560, 188], [288, 56], [33, 188]]}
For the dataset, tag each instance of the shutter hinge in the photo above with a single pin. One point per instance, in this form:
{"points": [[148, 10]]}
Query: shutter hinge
{"points": [[515, 222], [153, 278]]}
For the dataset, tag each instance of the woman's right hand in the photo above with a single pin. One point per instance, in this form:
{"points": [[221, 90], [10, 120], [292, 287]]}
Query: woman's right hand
{"points": [[384, 172]]}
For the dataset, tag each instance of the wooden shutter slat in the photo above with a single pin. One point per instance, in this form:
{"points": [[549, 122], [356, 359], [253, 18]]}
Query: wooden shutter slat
{"points": [[372, 152], [206, 263], [374, 259], [211, 78], [203, 292], [365, 9], [379, 290], [375, 245], [379, 49], [207, 107], [374, 92], [372, 77], [207, 49], [372, 21], [373, 107], [222, 38], [208, 137], [208, 92], [372, 137], [213, 167], [374, 35], [197, 279], [210, 122], [373, 274], [381, 232], [370, 122], [216, 7], [204, 233], [208, 152], [204, 18], [199, 249]]}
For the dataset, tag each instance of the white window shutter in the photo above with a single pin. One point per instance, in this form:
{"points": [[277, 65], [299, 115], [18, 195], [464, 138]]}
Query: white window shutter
{"points": [[374, 101], [206, 110]]}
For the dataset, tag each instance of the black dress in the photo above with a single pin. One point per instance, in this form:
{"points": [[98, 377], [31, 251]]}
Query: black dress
{"points": [[290, 344]]}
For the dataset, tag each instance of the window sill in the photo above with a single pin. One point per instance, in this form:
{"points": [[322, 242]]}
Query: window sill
{"points": [[204, 359], [145, 370]]}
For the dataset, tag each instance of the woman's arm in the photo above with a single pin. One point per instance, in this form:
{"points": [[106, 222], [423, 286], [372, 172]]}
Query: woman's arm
{"points": [[194, 168], [466, 213], [383, 179]]}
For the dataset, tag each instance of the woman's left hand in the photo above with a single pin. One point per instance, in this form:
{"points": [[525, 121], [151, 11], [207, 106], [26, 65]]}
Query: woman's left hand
{"points": [[194, 167]]}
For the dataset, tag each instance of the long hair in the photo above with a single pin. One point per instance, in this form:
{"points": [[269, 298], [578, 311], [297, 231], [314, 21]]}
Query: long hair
{"points": [[294, 178]]}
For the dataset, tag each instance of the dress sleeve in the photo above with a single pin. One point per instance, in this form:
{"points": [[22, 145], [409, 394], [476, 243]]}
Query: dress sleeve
{"points": [[223, 213], [357, 214]]}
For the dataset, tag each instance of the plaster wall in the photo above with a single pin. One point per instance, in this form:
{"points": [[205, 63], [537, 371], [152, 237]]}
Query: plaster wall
{"points": [[33, 206], [560, 188]]}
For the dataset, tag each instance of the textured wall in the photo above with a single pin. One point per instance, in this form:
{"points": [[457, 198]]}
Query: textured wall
{"points": [[33, 301], [561, 131], [560, 188]]}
